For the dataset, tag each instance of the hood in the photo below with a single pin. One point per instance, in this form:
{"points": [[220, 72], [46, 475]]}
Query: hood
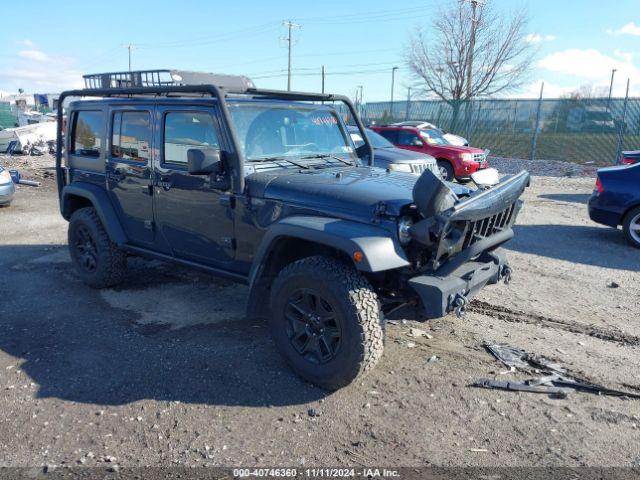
{"points": [[354, 192], [393, 154], [349, 192], [459, 148]]}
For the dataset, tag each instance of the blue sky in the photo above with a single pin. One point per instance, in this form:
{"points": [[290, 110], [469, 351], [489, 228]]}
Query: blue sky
{"points": [[46, 48]]}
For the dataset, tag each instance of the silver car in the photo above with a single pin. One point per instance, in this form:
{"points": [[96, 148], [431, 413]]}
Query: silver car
{"points": [[390, 157], [7, 188]]}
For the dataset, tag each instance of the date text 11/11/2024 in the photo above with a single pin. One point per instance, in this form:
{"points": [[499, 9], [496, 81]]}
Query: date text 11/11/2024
{"points": [[316, 472]]}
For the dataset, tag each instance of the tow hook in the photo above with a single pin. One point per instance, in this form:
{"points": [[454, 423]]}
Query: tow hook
{"points": [[460, 303], [506, 274]]}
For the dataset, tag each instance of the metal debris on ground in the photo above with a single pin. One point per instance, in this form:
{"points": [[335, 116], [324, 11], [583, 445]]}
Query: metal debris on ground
{"points": [[555, 380]]}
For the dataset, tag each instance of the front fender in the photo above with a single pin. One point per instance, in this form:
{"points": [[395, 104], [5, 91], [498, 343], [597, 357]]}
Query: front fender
{"points": [[380, 251], [102, 204]]}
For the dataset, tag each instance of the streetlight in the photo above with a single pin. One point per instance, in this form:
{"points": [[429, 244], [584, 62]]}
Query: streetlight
{"points": [[393, 79], [613, 72]]}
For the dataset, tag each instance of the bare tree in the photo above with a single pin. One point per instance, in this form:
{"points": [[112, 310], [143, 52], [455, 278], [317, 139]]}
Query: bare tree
{"points": [[438, 56]]}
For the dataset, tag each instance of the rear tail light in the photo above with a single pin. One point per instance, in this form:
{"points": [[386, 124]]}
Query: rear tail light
{"points": [[627, 161], [599, 188]]}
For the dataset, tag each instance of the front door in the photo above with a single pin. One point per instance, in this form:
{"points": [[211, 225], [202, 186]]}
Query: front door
{"points": [[128, 172], [409, 140], [192, 212]]}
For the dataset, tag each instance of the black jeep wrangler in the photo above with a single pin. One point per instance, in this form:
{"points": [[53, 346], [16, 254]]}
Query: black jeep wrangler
{"points": [[266, 188]]}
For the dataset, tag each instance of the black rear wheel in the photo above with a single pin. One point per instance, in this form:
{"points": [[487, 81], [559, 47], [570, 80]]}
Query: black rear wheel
{"points": [[98, 261], [326, 321]]}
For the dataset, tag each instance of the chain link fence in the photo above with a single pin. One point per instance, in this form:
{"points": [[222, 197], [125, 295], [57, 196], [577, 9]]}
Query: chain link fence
{"points": [[585, 131]]}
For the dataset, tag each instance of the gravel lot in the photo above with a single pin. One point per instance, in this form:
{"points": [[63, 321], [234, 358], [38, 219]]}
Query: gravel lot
{"points": [[166, 370]]}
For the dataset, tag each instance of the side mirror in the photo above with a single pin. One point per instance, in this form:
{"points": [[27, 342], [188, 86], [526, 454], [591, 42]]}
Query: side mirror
{"points": [[486, 178], [203, 162]]}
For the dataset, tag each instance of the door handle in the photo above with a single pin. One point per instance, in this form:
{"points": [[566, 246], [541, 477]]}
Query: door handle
{"points": [[118, 175], [164, 181]]}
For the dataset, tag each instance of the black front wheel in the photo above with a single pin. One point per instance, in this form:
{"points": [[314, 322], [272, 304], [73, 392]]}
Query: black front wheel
{"points": [[446, 170], [326, 321]]}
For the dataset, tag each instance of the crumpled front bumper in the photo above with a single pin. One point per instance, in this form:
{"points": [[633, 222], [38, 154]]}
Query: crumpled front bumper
{"points": [[440, 295]]}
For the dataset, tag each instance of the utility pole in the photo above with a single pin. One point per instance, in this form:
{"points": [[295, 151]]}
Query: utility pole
{"points": [[393, 79], [323, 75], [613, 72], [129, 47], [290, 25], [472, 44]]}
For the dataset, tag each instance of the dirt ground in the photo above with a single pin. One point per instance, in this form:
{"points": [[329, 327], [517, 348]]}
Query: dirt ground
{"points": [[166, 370]]}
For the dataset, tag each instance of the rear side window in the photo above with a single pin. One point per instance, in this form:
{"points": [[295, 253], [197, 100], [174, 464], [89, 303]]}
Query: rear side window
{"points": [[186, 130], [86, 139], [131, 136]]}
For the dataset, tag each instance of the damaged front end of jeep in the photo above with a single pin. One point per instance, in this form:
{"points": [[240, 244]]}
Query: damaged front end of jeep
{"points": [[452, 244]]}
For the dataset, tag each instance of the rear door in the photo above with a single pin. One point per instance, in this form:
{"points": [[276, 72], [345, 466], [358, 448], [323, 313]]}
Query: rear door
{"points": [[193, 212], [129, 171]]}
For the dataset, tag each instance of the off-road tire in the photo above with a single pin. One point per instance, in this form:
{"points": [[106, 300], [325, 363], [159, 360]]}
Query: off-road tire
{"points": [[445, 166], [110, 261], [357, 307], [626, 226]]}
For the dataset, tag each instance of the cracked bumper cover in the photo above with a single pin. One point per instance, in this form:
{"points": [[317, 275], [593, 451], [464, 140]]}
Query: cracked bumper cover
{"points": [[438, 294]]}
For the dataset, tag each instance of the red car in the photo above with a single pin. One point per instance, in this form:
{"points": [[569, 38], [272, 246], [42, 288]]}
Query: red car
{"points": [[453, 162], [630, 157]]}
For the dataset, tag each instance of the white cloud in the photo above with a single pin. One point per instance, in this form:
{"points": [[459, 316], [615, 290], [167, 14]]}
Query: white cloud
{"points": [[628, 29], [26, 43], [551, 90], [35, 55], [626, 56], [39, 78], [589, 64], [537, 38]]}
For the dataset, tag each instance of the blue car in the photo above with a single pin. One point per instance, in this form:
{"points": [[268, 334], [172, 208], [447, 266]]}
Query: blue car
{"points": [[616, 200], [7, 188]]}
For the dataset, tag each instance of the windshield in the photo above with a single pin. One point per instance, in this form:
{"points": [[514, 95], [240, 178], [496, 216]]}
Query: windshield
{"points": [[433, 137], [377, 140], [289, 131]]}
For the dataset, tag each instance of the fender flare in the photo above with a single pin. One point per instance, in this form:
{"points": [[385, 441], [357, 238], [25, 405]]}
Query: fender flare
{"points": [[380, 250], [102, 204]]}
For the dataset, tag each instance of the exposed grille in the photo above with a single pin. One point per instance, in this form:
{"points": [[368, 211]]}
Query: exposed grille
{"points": [[479, 157], [488, 226], [421, 167]]}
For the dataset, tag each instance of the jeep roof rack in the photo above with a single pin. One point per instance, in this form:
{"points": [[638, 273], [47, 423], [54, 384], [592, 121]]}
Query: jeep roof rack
{"points": [[165, 78], [182, 83]]}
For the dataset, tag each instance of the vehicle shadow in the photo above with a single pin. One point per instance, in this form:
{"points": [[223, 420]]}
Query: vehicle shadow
{"points": [[567, 197], [77, 346], [589, 245]]}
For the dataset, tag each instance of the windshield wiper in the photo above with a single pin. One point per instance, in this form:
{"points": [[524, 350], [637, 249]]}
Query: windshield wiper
{"points": [[277, 159], [329, 155]]}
